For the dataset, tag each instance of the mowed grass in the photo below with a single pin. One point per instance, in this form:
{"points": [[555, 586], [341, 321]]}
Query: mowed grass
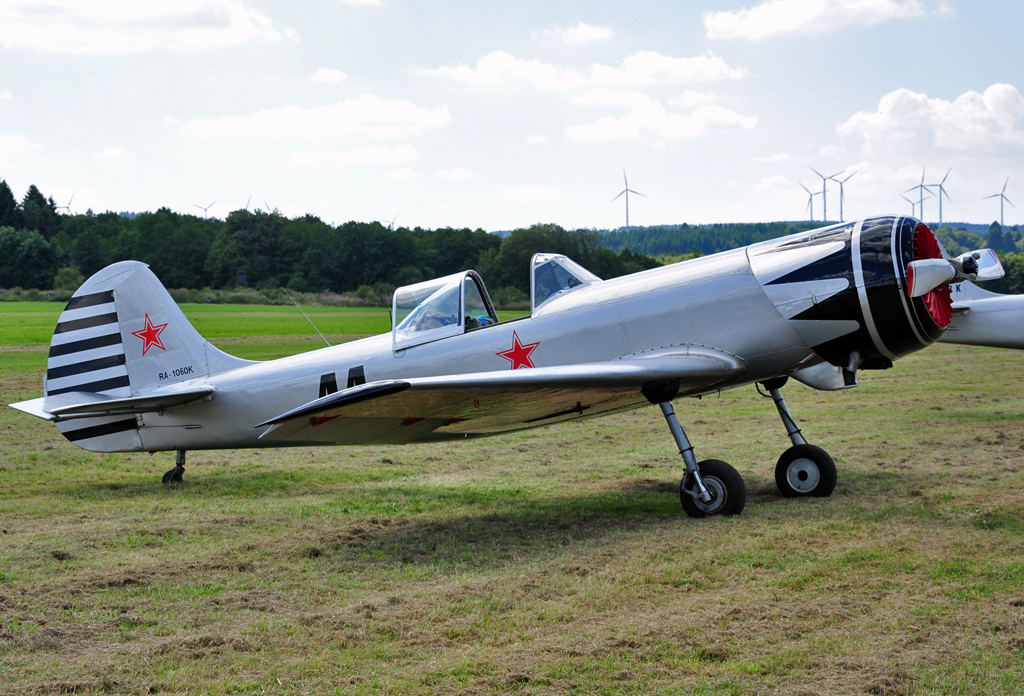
{"points": [[32, 323], [556, 560]]}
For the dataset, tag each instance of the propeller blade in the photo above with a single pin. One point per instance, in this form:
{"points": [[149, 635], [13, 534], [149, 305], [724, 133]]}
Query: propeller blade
{"points": [[816, 171], [922, 174], [989, 267], [636, 193], [1004, 184], [805, 188], [924, 275], [1008, 201], [617, 197], [945, 177], [624, 178], [994, 195]]}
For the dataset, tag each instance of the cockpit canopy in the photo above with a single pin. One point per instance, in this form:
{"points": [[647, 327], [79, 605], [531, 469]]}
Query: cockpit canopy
{"points": [[554, 275], [439, 308]]}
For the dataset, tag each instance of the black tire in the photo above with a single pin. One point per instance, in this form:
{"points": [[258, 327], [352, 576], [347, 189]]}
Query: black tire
{"points": [[805, 471], [174, 475], [725, 485]]}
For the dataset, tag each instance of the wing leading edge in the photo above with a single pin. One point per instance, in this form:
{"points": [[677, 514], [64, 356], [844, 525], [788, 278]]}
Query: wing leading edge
{"points": [[485, 403]]}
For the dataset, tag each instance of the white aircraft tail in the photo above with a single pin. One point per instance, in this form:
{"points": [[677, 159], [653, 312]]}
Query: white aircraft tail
{"points": [[121, 343]]}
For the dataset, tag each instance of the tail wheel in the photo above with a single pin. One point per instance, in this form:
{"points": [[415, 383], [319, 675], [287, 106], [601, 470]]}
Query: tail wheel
{"points": [[723, 483], [805, 471]]}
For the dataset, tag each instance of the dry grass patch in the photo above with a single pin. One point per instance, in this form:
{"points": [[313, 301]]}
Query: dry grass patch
{"points": [[550, 561]]}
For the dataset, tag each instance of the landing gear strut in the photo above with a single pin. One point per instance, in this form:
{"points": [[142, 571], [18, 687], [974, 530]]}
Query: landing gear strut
{"points": [[803, 470], [174, 475], [710, 487]]}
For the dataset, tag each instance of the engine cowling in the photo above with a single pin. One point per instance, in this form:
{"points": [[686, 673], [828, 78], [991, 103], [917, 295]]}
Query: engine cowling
{"points": [[844, 289]]}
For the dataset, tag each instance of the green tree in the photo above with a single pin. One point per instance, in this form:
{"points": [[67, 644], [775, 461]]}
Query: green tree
{"points": [[39, 213], [10, 215], [26, 259]]}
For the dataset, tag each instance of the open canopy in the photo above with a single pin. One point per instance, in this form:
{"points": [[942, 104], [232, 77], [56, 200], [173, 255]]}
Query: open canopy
{"points": [[439, 308]]}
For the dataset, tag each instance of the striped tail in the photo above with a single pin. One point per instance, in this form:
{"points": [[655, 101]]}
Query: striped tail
{"points": [[122, 336]]}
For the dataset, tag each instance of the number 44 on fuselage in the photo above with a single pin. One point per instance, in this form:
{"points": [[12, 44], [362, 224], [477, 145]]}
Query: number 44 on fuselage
{"points": [[128, 373]]}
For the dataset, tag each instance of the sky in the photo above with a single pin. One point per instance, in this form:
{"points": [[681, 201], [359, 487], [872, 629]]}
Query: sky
{"points": [[499, 115]]}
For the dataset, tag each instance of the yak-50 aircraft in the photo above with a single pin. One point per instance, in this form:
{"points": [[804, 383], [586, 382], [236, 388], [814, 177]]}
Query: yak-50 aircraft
{"points": [[128, 373]]}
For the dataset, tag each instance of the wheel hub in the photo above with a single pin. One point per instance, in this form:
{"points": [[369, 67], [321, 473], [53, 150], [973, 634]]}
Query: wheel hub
{"points": [[803, 475], [718, 494]]}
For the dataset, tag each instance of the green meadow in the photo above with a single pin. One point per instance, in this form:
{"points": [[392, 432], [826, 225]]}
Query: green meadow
{"points": [[552, 561]]}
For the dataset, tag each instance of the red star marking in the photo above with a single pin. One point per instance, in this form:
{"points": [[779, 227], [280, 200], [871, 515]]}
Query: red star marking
{"points": [[519, 355], [150, 335]]}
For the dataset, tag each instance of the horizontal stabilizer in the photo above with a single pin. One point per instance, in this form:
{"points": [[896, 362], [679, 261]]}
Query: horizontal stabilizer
{"points": [[71, 405], [488, 402]]}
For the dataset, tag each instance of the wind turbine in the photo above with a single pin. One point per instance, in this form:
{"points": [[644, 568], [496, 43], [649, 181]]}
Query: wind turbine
{"points": [[842, 196], [391, 225], [913, 206], [810, 199], [922, 188], [1002, 197], [68, 206], [824, 198], [627, 191], [942, 192], [248, 202], [204, 209]]}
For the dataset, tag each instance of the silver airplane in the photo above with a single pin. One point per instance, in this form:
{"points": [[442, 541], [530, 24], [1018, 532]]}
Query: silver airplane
{"points": [[128, 373]]}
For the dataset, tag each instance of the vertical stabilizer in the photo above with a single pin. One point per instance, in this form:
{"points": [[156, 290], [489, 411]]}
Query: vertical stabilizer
{"points": [[120, 336]]}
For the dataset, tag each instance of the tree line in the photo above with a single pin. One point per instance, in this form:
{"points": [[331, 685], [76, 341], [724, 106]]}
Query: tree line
{"points": [[42, 248]]}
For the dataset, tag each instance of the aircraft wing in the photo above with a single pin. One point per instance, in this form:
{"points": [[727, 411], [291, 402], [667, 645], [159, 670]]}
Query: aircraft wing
{"points": [[484, 403], [72, 405]]}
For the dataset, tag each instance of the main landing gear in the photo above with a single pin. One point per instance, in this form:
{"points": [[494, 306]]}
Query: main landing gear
{"points": [[174, 475], [803, 470], [710, 487]]}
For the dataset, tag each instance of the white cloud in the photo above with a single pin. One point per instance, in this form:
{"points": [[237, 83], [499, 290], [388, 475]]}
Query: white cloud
{"points": [[532, 195], [650, 121], [328, 75], [641, 68], [359, 156], [366, 115], [501, 68], [780, 157], [689, 99], [6, 94], [113, 153], [536, 139], [581, 33], [911, 123], [782, 17], [361, 3], [603, 96], [14, 145], [651, 68], [402, 174], [453, 174], [128, 26]]}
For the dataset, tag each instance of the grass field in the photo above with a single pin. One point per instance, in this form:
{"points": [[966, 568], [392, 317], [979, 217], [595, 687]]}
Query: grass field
{"points": [[552, 561]]}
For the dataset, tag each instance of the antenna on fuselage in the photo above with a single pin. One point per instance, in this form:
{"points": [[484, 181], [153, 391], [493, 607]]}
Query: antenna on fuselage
{"points": [[307, 317]]}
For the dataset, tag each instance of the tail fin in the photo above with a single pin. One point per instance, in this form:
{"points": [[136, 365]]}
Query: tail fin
{"points": [[122, 336]]}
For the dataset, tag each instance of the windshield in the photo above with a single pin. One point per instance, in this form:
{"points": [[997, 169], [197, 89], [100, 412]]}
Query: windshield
{"points": [[554, 274], [440, 308]]}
